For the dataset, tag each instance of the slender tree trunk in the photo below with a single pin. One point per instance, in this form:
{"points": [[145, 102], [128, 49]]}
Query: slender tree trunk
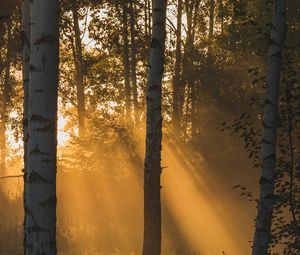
{"points": [[221, 11], [26, 6], [133, 62], [290, 128], [152, 185], [187, 64], [147, 20], [79, 72], [193, 111], [3, 136], [211, 18], [126, 60], [266, 201], [3, 130], [176, 80], [40, 180], [150, 5]]}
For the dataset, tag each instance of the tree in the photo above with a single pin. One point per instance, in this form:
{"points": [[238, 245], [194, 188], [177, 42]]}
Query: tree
{"points": [[127, 88], [262, 235], [40, 179], [211, 18], [133, 60], [152, 172], [176, 79], [78, 60]]}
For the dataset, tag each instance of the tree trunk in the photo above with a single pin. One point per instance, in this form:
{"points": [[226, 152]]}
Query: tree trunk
{"points": [[152, 186], [26, 6], [193, 111], [176, 79], [126, 60], [211, 18], [150, 4], [133, 62], [266, 201], [40, 179], [3, 136], [221, 13], [79, 72], [187, 64]]}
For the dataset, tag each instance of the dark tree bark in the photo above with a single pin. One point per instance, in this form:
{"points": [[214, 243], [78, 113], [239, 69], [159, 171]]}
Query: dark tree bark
{"points": [[192, 8], [221, 13], [133, 61], [126, 62], [79, 71], [177, 110], [211, 18], [152, 172]]}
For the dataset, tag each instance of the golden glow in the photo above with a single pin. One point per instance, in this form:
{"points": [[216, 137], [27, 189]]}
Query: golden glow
{"points": [[104, 211], [195, 209]]}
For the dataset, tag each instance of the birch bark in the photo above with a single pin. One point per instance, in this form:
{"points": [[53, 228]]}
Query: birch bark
{"points": [[152, 172], [40, 179], [262, 235]]}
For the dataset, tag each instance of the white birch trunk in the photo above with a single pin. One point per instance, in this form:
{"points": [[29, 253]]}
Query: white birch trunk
{"points": [[262, 235], [152, 186], [40, 180]]}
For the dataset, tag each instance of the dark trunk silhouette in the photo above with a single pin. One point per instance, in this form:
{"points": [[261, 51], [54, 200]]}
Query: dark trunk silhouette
{"points": [[79, 71], [133, 61], [177, 90], [152, 172], [127, 88]]}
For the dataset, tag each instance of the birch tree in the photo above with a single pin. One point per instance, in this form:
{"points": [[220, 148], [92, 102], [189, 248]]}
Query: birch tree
{"points": [[152, 172], [267, 180], [40, 179]]}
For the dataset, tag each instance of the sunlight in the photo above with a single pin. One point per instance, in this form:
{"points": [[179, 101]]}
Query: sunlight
{"points": [[62, 136], [194, 210]]}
